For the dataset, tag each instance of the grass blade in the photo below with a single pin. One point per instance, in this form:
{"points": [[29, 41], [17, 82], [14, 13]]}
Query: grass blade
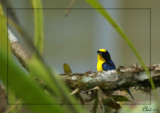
{"points": [[6, 47], [38, 25], [26, 88], [3, 31], [41, 71]]}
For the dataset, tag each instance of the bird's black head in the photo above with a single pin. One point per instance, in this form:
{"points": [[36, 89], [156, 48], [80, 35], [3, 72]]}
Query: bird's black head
{"points": [[104, 53]]}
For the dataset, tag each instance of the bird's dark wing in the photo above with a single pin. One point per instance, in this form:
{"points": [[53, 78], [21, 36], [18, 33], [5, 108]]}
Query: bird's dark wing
{"points": [[109, 65]]}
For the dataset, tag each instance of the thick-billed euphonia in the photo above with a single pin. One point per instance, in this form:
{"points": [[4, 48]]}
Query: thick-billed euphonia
{"points": [[105, 63]]}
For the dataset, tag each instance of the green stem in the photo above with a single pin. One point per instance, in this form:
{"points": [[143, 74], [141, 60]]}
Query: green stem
{"points": [[38, 25]]}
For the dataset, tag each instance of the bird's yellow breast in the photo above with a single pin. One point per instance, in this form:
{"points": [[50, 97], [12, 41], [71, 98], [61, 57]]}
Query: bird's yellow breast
{"points": [[101, 60]]}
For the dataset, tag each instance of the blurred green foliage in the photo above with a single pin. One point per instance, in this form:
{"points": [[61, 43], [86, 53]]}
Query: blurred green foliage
{"points": [[24, 85], [31, 92]]}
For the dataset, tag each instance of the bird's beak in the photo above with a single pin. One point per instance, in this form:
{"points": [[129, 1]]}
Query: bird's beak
{"points": [[99, 52]]}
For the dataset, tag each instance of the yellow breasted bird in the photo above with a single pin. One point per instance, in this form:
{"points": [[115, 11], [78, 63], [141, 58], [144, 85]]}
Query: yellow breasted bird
{"points": [[105, 63]]}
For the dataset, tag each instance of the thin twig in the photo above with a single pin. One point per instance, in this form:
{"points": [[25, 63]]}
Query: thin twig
{"points": [[68, 10], [75, 91]]}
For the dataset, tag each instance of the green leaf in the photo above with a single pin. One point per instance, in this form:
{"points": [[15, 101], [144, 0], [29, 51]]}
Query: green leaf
{"points": [[4, 44], [39, 70], [66, 68], [3, 40], [26, 88], [3, 31], [38, 25]]}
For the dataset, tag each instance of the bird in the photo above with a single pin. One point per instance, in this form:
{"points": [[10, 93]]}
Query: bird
{"points": [[105, 63]]}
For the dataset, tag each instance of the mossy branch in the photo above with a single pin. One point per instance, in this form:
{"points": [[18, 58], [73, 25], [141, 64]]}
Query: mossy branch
{"points": [[120, 79], [109, 81]]}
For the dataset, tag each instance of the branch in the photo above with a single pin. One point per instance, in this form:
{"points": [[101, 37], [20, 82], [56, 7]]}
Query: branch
{"points": [[109, 81], [120, 79], [18, 50]]}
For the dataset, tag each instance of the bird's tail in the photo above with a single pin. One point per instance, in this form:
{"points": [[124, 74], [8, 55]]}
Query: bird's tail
{"points": [[130, 93]]}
